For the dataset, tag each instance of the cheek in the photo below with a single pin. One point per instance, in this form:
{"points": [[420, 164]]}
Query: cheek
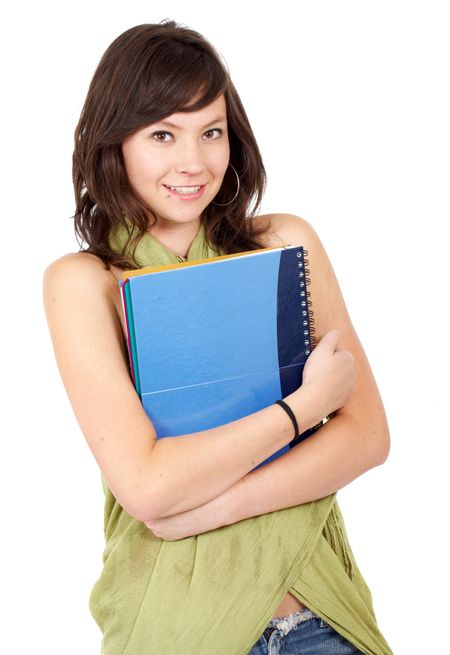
{"points": [[218, 160], [139, 166]]}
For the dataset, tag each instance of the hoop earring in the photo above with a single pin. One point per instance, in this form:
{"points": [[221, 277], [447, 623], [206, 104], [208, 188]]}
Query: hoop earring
{"points": [[220, 204]]}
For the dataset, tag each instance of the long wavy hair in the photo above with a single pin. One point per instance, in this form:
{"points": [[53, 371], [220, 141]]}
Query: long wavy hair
{"points": [[148, 73]]}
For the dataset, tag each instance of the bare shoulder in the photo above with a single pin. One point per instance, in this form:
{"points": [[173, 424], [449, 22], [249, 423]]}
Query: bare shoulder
{"points": [[282, 229], [80, 279], [76, 270]]}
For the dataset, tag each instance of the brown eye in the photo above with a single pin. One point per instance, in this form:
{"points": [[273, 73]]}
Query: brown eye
{"points": [[215, 129], [156, 134]]}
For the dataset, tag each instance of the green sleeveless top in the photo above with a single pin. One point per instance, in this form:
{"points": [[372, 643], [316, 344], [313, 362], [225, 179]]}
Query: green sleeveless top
{"points": [[216, 592]]}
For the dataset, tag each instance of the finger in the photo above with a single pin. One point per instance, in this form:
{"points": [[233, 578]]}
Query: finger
{"points": [[330, 339]]}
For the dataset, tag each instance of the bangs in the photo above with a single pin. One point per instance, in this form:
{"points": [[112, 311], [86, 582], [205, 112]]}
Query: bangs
{"points": [[174, 77]]}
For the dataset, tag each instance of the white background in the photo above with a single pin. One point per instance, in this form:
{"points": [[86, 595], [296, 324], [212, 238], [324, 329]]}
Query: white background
{"points": [[349, 102]]}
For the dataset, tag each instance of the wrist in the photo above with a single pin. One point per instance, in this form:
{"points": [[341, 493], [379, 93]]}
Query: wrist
{"points": [[238, 500], [305, 406], [291, 415], [245, 499]]}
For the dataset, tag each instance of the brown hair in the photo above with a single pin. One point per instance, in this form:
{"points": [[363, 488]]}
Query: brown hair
{"points": [[147, 73]]}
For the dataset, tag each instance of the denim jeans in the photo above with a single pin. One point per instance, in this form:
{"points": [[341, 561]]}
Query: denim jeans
{"points": [[302, 633]]}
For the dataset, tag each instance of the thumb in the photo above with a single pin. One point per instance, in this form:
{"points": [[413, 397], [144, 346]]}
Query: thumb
{"points": [[330, 339]]}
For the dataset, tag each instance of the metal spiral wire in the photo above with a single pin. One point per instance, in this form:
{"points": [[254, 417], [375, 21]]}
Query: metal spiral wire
{"points": [[312, 329]]}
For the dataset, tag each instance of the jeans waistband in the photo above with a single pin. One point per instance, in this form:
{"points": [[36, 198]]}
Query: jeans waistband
{"points": [[286, 623]]}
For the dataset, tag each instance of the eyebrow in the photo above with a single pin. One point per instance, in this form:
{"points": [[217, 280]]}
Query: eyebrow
{"points": [[219, 119]]}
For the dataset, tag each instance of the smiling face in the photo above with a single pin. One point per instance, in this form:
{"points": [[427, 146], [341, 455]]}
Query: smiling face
{"points": [[192, 151]]}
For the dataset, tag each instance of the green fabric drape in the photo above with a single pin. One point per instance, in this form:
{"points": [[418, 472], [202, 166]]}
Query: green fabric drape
{"points": [[216, 592], [151, 252]]}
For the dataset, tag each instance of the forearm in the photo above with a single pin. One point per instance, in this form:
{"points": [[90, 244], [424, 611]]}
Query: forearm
{"points": [[189, 470], [340, 451], [325, 462]]}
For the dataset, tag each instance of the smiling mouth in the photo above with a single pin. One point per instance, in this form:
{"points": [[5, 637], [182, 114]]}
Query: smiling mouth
{"points": [[185, 189]]}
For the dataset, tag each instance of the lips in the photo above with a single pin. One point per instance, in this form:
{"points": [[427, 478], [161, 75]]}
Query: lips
{"points": [[186, 195], [181, 186]]}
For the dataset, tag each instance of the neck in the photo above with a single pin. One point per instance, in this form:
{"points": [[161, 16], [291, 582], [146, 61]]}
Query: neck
{"points": [[176, 236]]}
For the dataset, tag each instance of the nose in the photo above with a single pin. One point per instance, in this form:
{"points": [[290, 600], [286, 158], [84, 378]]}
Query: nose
{"points": [[189, 159]]}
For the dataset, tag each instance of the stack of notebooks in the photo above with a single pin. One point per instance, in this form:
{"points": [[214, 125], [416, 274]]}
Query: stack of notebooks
{"points": [[213, 340]]}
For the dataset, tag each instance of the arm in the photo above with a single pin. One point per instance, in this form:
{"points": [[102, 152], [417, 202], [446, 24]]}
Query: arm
{"points": [[341, 450], [198, 467], [148, 477], [213, 469], [330, 459], [322, 464], [354, 441]]}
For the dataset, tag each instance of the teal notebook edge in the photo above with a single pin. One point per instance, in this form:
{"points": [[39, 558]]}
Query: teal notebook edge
{"points": [[127, 304]]}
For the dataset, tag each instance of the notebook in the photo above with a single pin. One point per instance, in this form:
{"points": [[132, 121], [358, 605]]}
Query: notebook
{"points": [[213, 340]]}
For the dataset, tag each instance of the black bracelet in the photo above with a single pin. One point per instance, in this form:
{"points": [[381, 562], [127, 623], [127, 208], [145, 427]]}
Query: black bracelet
{"points": [[291, 415]]}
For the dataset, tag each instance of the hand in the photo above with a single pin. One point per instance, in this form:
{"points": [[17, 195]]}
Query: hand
{"points": [[329, 374], [211, 515]]}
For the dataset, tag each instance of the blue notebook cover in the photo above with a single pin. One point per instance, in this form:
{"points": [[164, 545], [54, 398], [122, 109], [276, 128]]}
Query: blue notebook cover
{"points": [[215, 340]]}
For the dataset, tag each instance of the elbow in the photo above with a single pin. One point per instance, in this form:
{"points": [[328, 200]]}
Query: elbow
{"points": [[149, 505], [148, 508], [374, 443], [143, 510], [383, 445]]}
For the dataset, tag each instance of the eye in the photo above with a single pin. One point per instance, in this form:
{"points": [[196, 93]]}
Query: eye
{"points": [[162, 133], [215, 129], [159, 133]]}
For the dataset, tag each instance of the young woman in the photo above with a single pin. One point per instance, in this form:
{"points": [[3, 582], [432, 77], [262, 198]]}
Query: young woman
{"points": [[204, 554]]}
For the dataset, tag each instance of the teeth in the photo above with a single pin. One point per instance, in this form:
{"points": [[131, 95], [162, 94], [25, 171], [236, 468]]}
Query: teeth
{"points": [[185, 189]]}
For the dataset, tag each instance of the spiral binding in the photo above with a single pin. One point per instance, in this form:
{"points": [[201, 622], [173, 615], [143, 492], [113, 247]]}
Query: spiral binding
{"points": [[306, 304]]}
